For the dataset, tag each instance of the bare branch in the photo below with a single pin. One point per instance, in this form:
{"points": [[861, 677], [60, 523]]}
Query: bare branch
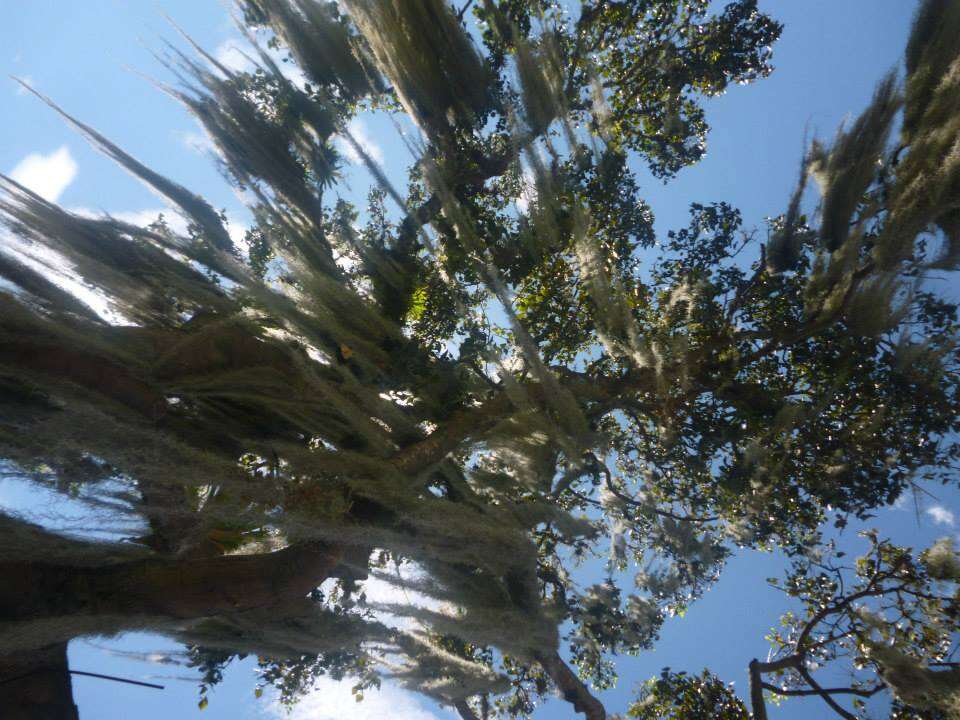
{"points": [[832, 691]]}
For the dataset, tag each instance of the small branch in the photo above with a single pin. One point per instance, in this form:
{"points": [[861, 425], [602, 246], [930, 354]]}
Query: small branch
{"points": [[823, 694], [463, 10], [827, 640], [608, 476], [801, 644]]}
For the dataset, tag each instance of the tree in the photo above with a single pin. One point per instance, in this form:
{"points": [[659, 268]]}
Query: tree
{"points": [[463, 395], [889, 614], [679, 696]]}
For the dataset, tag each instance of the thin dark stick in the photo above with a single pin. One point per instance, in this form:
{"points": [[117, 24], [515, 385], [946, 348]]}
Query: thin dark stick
{"points": [[80, 672], [464, 9], [116, 679]]}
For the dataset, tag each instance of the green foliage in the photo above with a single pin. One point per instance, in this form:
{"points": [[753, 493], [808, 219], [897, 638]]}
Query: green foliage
{"points": [[890, 615], [655, 58], [679, 696]]}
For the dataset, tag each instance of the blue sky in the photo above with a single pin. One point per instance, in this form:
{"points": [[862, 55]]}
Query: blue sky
{"points": [[87, 54]]}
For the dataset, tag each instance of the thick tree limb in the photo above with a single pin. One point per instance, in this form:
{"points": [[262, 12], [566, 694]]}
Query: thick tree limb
{"points": [[464, 710], [182, 589], [446, 438], [757, 703], [757, 685], [786, 663], [571, 687]]}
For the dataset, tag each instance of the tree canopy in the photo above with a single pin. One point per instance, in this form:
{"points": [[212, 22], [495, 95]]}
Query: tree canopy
{"points": [[470, 396]]}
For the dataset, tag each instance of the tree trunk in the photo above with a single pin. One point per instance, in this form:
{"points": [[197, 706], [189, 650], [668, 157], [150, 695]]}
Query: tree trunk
{"points": [[36, 685], [182, 589], [36, 681]]}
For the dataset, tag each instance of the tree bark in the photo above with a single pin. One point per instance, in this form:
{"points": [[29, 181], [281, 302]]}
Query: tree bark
{"points": [[181, 589], [464, 710], [756, 692], [36, 685], [35, 682], [757, 669], [572, 689]]}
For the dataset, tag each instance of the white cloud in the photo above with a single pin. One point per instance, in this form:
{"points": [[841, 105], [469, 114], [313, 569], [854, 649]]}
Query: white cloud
{"points": [[333, 700], [941, 516], [198, 141], [528, 192], [523, 202], [47, 175], [239, 56], [237, 230], [7, 286], [358, 130], [380, 591], [902, 501], [234, 55], [237, 226], [141, 218]]}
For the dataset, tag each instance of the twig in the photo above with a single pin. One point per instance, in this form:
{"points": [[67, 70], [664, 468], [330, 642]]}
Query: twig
{"points": [[464, 9], [116, 679], [87, 674]]}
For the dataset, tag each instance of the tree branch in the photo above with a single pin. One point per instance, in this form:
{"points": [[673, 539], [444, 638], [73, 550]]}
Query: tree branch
{"points": [[461, 425], [608, 476], [464, 9], [571, 687], [464, 710], [831, 691], [823, 694], [185, 589], [757, 669], [756, 692]]}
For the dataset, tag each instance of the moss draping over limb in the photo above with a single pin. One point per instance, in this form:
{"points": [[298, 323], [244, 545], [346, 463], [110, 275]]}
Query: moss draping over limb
{"points": [[428, 57], [488, 389], [192, 205], [322, 42]]}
